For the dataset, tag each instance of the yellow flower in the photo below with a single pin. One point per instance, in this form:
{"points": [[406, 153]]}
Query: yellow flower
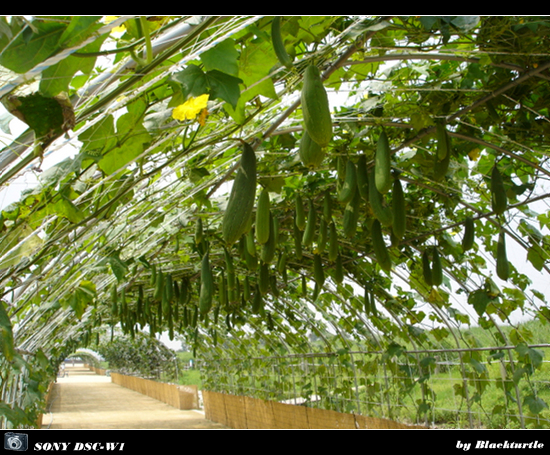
{"points": [[202, 117], [191, 108], [474, 154], [119, 29]]}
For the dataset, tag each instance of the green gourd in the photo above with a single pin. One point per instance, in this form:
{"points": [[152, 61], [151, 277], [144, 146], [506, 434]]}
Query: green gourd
{"points": [[315, 107], [240, 206]]}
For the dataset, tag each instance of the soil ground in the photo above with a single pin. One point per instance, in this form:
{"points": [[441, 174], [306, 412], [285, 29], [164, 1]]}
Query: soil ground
{"points": [[86, 400]]}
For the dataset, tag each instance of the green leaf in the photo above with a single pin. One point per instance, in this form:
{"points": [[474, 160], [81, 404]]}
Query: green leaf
{"points": [[194, 82], [14, 415], [118, 266], [99, 138], [534, 356], [237, 113], [131, 136], [83, 295], [255, 65], [57, 78], [518, 374], [80, 28], [427, 362], [479, 299], [394, 349], [31, 244], [478, 366], [196, 174], [460, 390], [29, 49], [64, 207], [222, 57], [537, 256], [6, 334], [224, 86], [530, 231], [428, 21], [536, 404]]}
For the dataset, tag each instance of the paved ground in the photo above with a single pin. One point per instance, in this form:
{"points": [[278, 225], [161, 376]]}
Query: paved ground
{"points": [[85, 400]]}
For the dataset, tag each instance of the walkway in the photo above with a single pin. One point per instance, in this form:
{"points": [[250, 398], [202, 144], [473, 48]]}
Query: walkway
{"points": [[85, 400]]}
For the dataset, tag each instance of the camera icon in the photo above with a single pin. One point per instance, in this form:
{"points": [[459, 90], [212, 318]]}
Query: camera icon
{"points": [[16, 441]]}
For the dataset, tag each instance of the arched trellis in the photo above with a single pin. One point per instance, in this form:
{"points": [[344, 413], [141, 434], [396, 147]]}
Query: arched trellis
{"points": [[116, 224]]}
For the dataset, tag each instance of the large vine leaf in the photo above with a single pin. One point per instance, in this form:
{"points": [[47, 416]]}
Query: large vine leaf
{"points": [[196, 81], [57, 78], [32, 45], [131, 136], [222, 57]]}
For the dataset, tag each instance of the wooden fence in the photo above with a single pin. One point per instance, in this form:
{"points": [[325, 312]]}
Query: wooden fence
{"points": [[178, 396], [240, 412]]}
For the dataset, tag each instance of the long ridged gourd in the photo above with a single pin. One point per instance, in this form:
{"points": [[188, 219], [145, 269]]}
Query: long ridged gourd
{"points": [[499, 201], [442, 142], [281, 263], [311, 154], [333, 245], [311, 223], [349, 187], [159, 285], [427, 268], [267, 253], [327, 206], [318, 271], [379, 246], [437, 269], [199, 232], [222, 290], [382, 164], [207, 285], [381, 213], [241, 199], [258, 301], [322, 236], [278, 45], [263, 220], [363, 177], [443, 153], [469, 234], [503, 268], [263, 278], [351, 216], [300, 214], [297, 241], [230, 274], [315, 107], [251, 261]]}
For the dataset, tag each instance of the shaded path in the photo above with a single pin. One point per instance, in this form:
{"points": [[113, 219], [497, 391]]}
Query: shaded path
{"points": [[85, 400]]}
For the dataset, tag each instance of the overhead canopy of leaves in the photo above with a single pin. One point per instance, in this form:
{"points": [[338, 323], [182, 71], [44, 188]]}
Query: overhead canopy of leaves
{"points": [[122, 202]]}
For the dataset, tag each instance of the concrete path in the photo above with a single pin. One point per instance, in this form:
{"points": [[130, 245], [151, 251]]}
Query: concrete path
{"points": [[85, 400]]}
